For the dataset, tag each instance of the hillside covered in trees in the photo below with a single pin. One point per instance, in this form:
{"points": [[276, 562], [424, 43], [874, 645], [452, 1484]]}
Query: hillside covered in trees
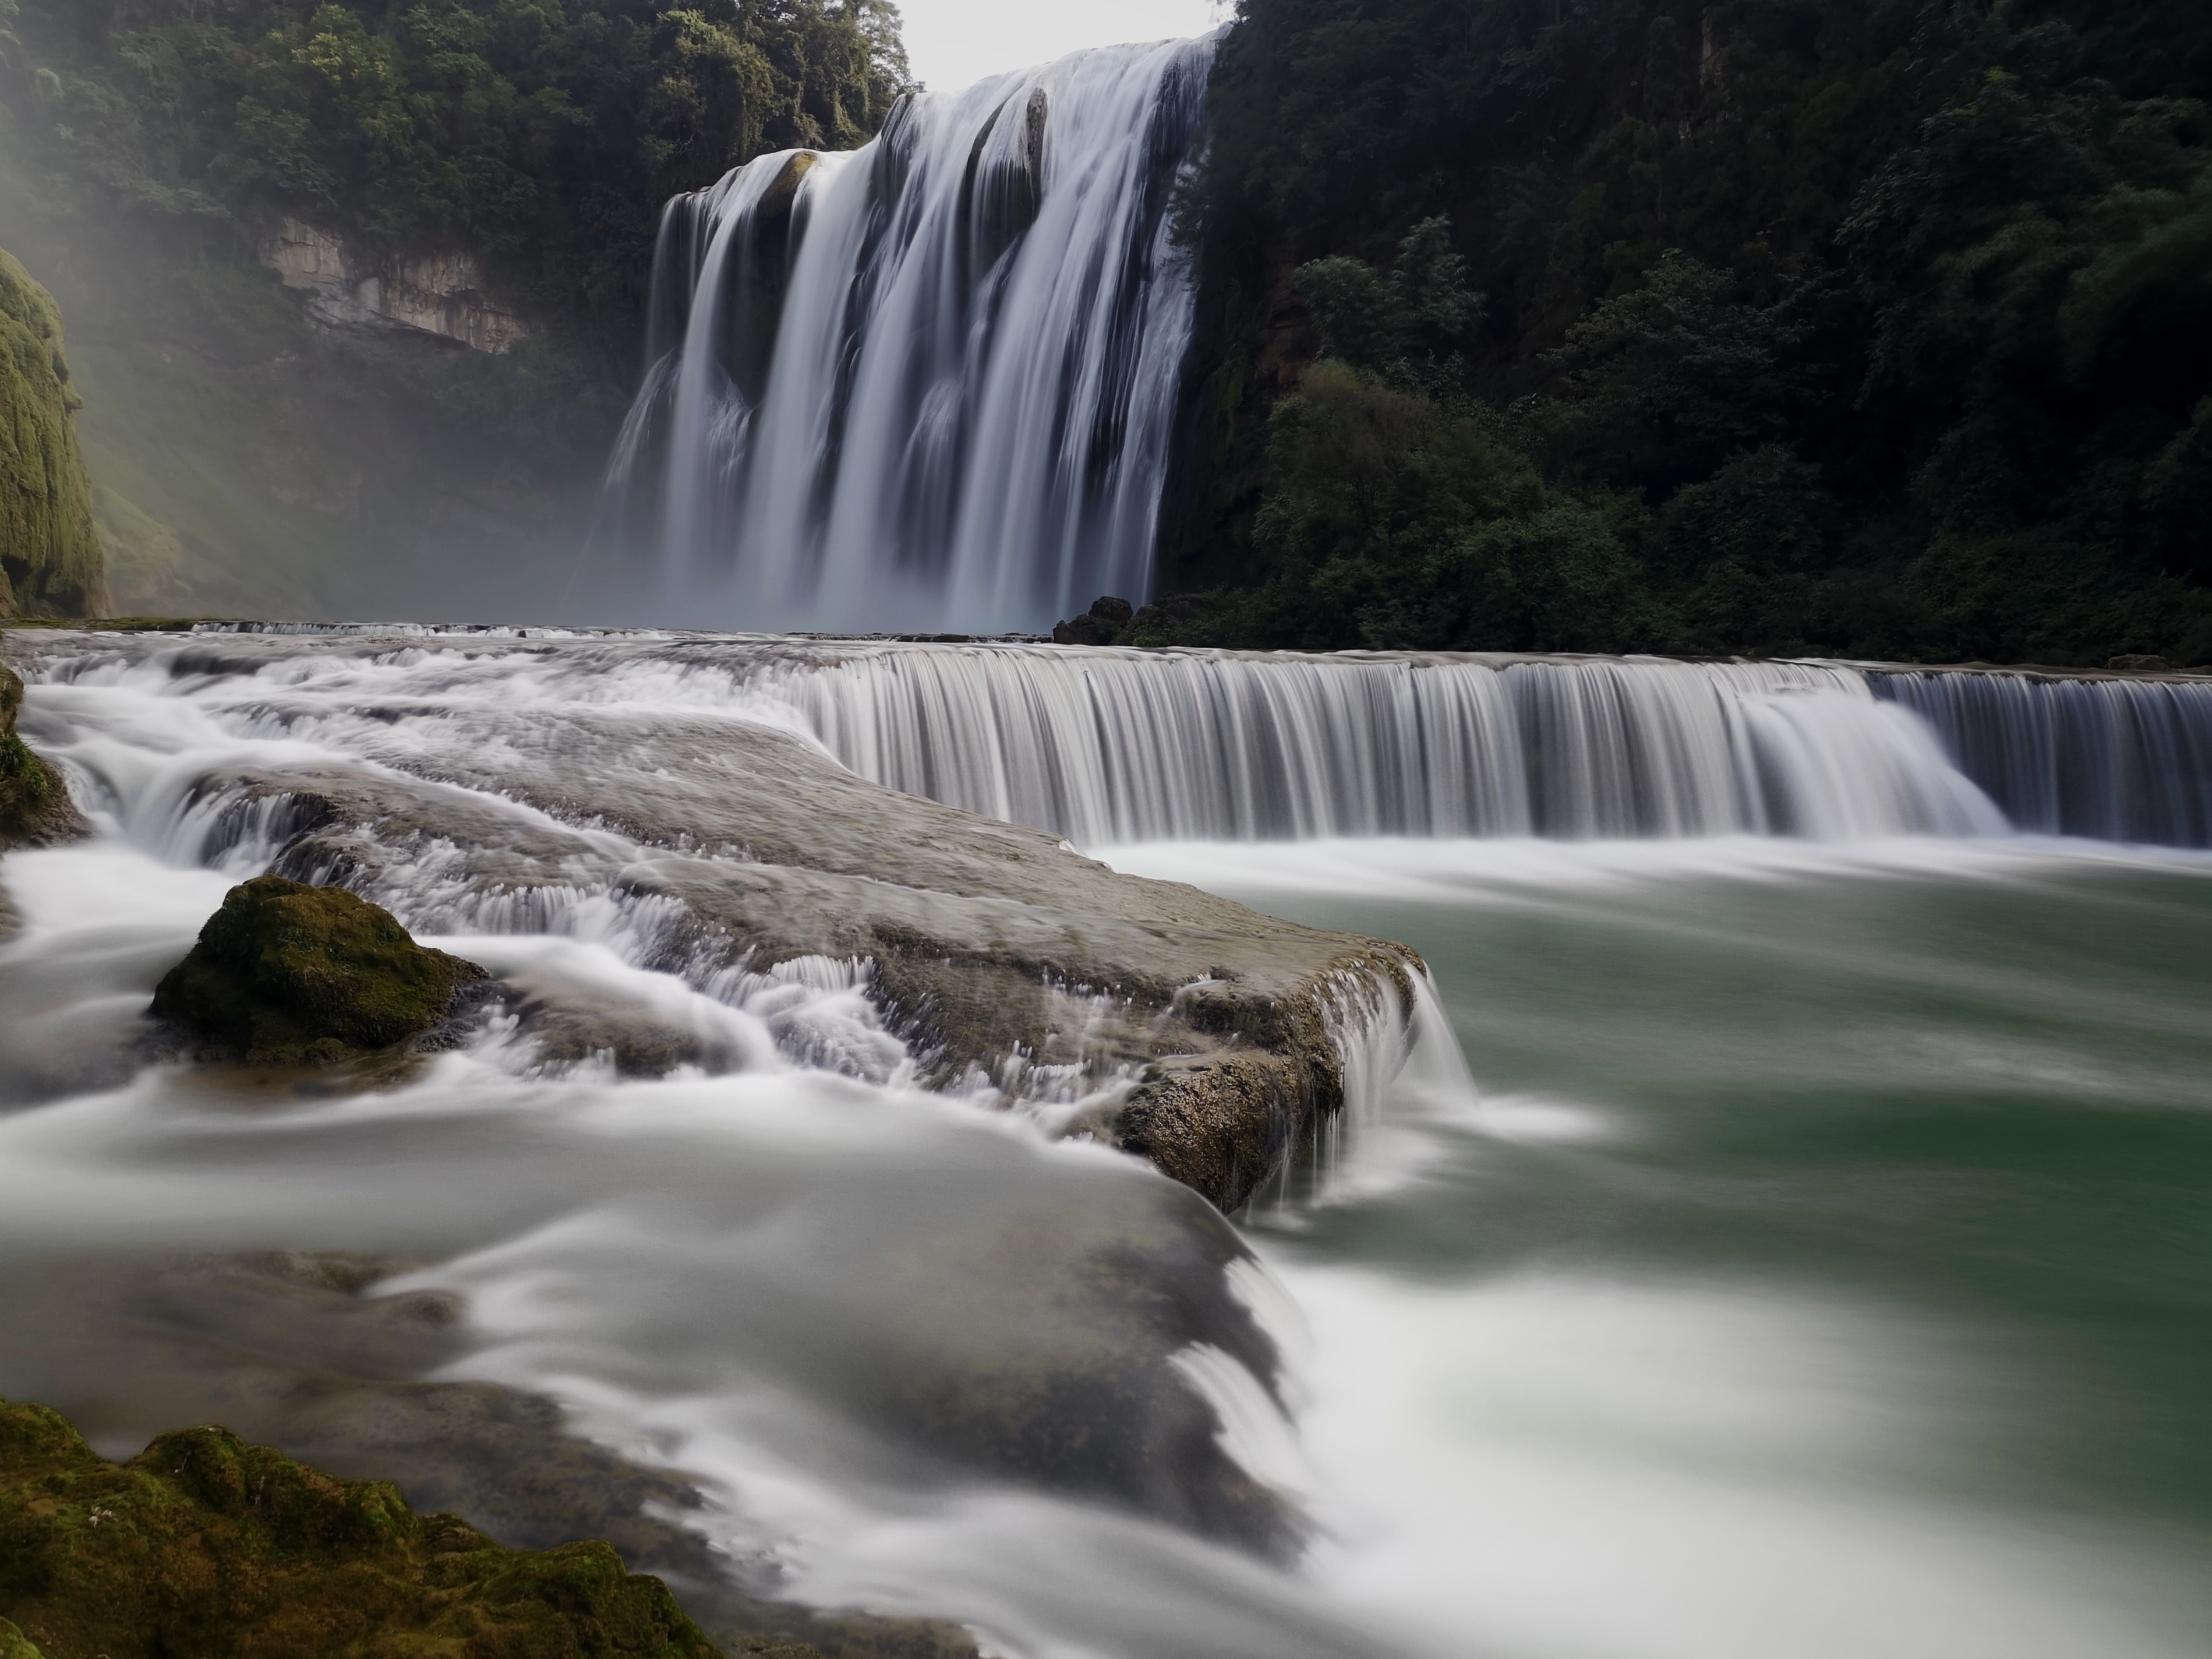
{"points": [[1874, 327], [244, 456], [541, 134]]}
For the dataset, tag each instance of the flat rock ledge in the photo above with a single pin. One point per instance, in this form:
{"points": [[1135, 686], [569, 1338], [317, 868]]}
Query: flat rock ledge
{"points": [[1181, 1026]]}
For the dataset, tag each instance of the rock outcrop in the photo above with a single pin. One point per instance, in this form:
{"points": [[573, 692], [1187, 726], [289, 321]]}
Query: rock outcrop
{"points": [[441, 293], [289, 974], [1100, 625], [204, 1546], [302, 1351], [35, 810], [50, 558]]}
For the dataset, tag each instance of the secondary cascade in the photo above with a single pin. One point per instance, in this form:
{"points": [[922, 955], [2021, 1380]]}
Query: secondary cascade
{"points": [[928, 383], [1107, 746], [1116, 746]]}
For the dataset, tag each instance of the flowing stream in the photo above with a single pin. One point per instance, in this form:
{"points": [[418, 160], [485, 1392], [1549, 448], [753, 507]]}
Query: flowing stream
{"points": [[1785, 1236]]}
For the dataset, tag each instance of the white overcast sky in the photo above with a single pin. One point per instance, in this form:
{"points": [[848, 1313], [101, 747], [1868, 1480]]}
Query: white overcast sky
{"points": [[956, 43]]}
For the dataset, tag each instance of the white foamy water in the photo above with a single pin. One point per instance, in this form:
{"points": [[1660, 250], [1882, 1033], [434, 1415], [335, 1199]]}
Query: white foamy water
{"points": [[868, 1320]]}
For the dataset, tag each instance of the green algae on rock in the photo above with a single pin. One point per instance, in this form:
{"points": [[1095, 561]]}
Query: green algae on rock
{"points": [[287, 974], [204, 1546], [50, 558], [35, 810]]}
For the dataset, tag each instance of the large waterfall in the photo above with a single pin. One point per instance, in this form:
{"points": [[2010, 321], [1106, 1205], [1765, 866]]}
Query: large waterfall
{"points": [[929, 383]]}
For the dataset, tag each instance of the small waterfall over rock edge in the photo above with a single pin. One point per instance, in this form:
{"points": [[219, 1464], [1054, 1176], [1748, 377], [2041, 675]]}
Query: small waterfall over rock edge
{"points": [[928, 383], [2109, 759]]}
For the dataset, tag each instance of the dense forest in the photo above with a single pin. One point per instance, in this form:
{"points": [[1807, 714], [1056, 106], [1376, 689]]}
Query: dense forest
{"points": [[1872, 327], [542, 135]]}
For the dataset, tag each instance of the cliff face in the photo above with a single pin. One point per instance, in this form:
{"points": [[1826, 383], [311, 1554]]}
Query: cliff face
{"points": [[442, 293], [49, 560], [255, 455]]}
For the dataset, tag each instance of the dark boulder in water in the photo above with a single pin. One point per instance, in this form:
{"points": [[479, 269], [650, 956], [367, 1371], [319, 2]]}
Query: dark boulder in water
{"points": [[287, 974], [1100, 625], [202, 1545]]}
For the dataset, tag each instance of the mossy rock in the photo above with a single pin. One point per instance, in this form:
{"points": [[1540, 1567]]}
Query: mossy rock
{"points": [[286, 974], [204, 1547], [35, 810], [50, 554]]}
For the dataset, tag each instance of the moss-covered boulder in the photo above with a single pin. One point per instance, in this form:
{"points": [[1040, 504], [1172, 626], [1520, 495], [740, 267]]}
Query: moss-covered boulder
{"points": [[287, 974], [204, 1547], [35, 808], [50, 558]]}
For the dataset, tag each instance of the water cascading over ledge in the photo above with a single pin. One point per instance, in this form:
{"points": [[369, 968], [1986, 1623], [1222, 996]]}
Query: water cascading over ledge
{"points": [[2109, 759], [1112, 746], [929, 383]]}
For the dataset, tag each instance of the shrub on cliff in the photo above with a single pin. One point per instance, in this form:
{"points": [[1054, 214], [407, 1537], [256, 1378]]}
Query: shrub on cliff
{"points": [[286, 973], [50, 562]]}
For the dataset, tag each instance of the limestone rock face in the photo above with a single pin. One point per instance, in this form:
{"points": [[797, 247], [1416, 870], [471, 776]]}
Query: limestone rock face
{"points": [[440, 294], [50, 559], [204, 1546], [288, 974]]}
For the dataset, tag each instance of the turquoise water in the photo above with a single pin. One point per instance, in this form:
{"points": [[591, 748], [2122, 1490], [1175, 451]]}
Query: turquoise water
{"points": [[1861, 1204]]}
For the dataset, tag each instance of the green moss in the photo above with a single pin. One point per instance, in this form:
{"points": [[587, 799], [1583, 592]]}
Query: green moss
{"points": [[22, 776], [204, 1547], [286, 973], [35, 808], [50, 558]]}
